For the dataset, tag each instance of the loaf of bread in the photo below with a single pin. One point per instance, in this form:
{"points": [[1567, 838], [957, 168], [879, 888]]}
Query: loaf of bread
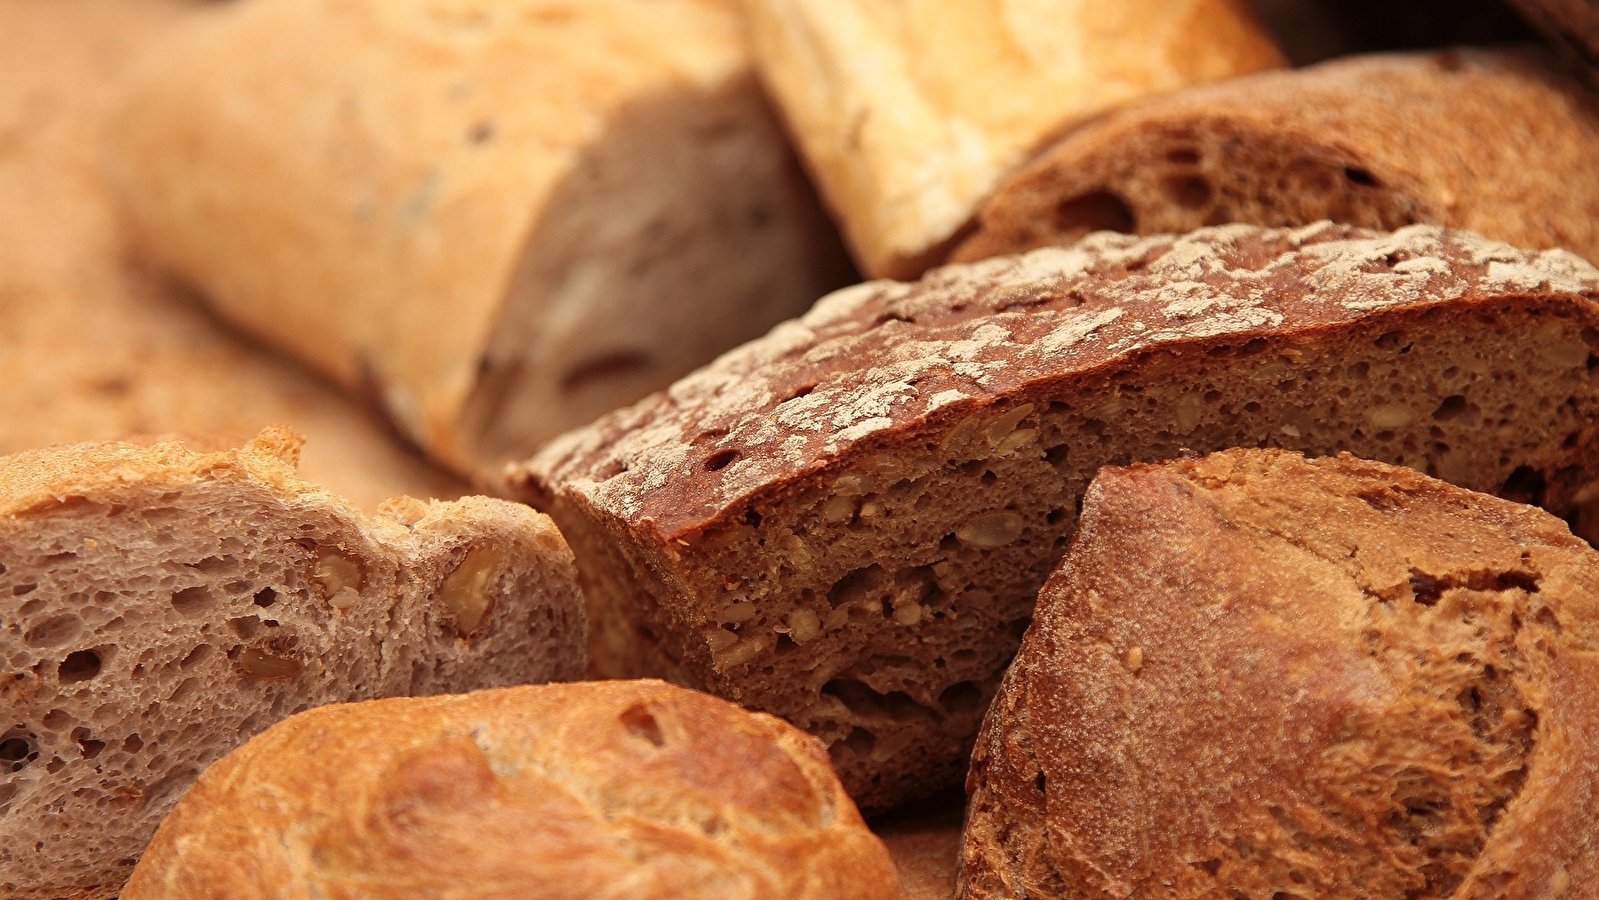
{"points": [[909, 115], [159, 605], [497, 218], [635, 790], [845, 523], [1256, 676], [1494, 141], [92, 347]]}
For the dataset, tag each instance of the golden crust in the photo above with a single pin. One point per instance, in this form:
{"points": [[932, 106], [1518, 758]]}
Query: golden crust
{"points": [[602, 790], [909, 117], [1256, 674]]}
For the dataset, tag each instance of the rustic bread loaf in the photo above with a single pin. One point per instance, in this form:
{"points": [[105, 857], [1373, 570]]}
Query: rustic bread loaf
{"points": [[1260, 676], [160, 605], [908, 118], [845, 522], [498, 218], [92, 347], [636, 790], [1494, 141]]}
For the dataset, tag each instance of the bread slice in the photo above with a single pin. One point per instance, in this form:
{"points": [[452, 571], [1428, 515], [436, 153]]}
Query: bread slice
{"points": [[1378, 141], [908, 119], [1256, 675], [496, 220], [161, 605], [637, 790], [845, 522]]}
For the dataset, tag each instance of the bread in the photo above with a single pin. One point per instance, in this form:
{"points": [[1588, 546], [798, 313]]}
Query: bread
{"points": [[496, 219], [1376, 141], [924, 839], [636, 790], [160, 605], [845, 522], [908, 117], [93, 347], [1256, 675]]}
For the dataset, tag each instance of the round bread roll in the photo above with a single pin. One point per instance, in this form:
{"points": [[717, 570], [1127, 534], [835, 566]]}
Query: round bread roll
{"points": [[621, 789], [1262, 677]]}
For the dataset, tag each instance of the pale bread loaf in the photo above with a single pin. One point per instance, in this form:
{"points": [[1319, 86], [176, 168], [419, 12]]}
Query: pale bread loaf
{"points": [[1260, 676], [604, 791], [161, 605], [497, 219], [845, 523]]}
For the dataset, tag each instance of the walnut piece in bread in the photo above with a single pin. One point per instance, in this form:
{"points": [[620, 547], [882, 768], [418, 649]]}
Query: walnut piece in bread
{"points": [[601, 791], [159, 605], [1257, 676], [497, 218], [909, 114], [845, 523], [1378, 141]]}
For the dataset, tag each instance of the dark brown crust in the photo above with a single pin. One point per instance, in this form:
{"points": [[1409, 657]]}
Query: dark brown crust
{"points": [[1253, 673], [703, 506], [1572, 24], [1377, 141]]}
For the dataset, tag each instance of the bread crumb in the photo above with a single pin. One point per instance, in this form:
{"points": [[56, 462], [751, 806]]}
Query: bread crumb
{"points": [[1135, 659]]}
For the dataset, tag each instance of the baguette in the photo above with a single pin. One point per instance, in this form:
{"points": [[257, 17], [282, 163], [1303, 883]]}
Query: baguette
{"points": [[496, 219], [845, 523], [909, 115], [160, 605]]}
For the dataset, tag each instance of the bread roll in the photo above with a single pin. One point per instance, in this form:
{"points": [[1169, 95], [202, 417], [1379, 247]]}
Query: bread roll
{"points": [[1256, 675], [497, 218], [1494, 141], [636, 790], [909, 112], [159, 605], [92, 346], [845, 522]]}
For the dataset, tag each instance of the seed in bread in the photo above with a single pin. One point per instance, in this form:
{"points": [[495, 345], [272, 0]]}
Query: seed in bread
{"points": [[1378, 141], [160, 605], [497, 219], [845, 522], [1256, 675], [909, 117], [636, 790]]}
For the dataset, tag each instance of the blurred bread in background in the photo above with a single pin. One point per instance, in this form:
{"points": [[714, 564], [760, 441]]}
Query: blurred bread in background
{"points": [[96, 347], [909, 112], [496, 219], [1497, 141]]}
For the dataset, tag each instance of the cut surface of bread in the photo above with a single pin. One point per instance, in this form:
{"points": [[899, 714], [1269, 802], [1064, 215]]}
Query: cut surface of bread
{"points": [[845, 523], [1256, 675], [600, 791], [161, 605], [908, 115], [1378, 141], [498, 220]]}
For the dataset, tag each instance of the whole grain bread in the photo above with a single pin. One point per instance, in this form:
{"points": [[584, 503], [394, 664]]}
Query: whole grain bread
{"points": [[845, 523], [1495, 141], [908, 118], [603, 791], [1257, 676], [159, 605], [497, 219]]}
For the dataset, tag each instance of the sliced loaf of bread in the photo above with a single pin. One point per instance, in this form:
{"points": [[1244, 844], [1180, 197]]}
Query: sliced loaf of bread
{"points": [[846, 522], [1260, 676], [159, 605]]}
